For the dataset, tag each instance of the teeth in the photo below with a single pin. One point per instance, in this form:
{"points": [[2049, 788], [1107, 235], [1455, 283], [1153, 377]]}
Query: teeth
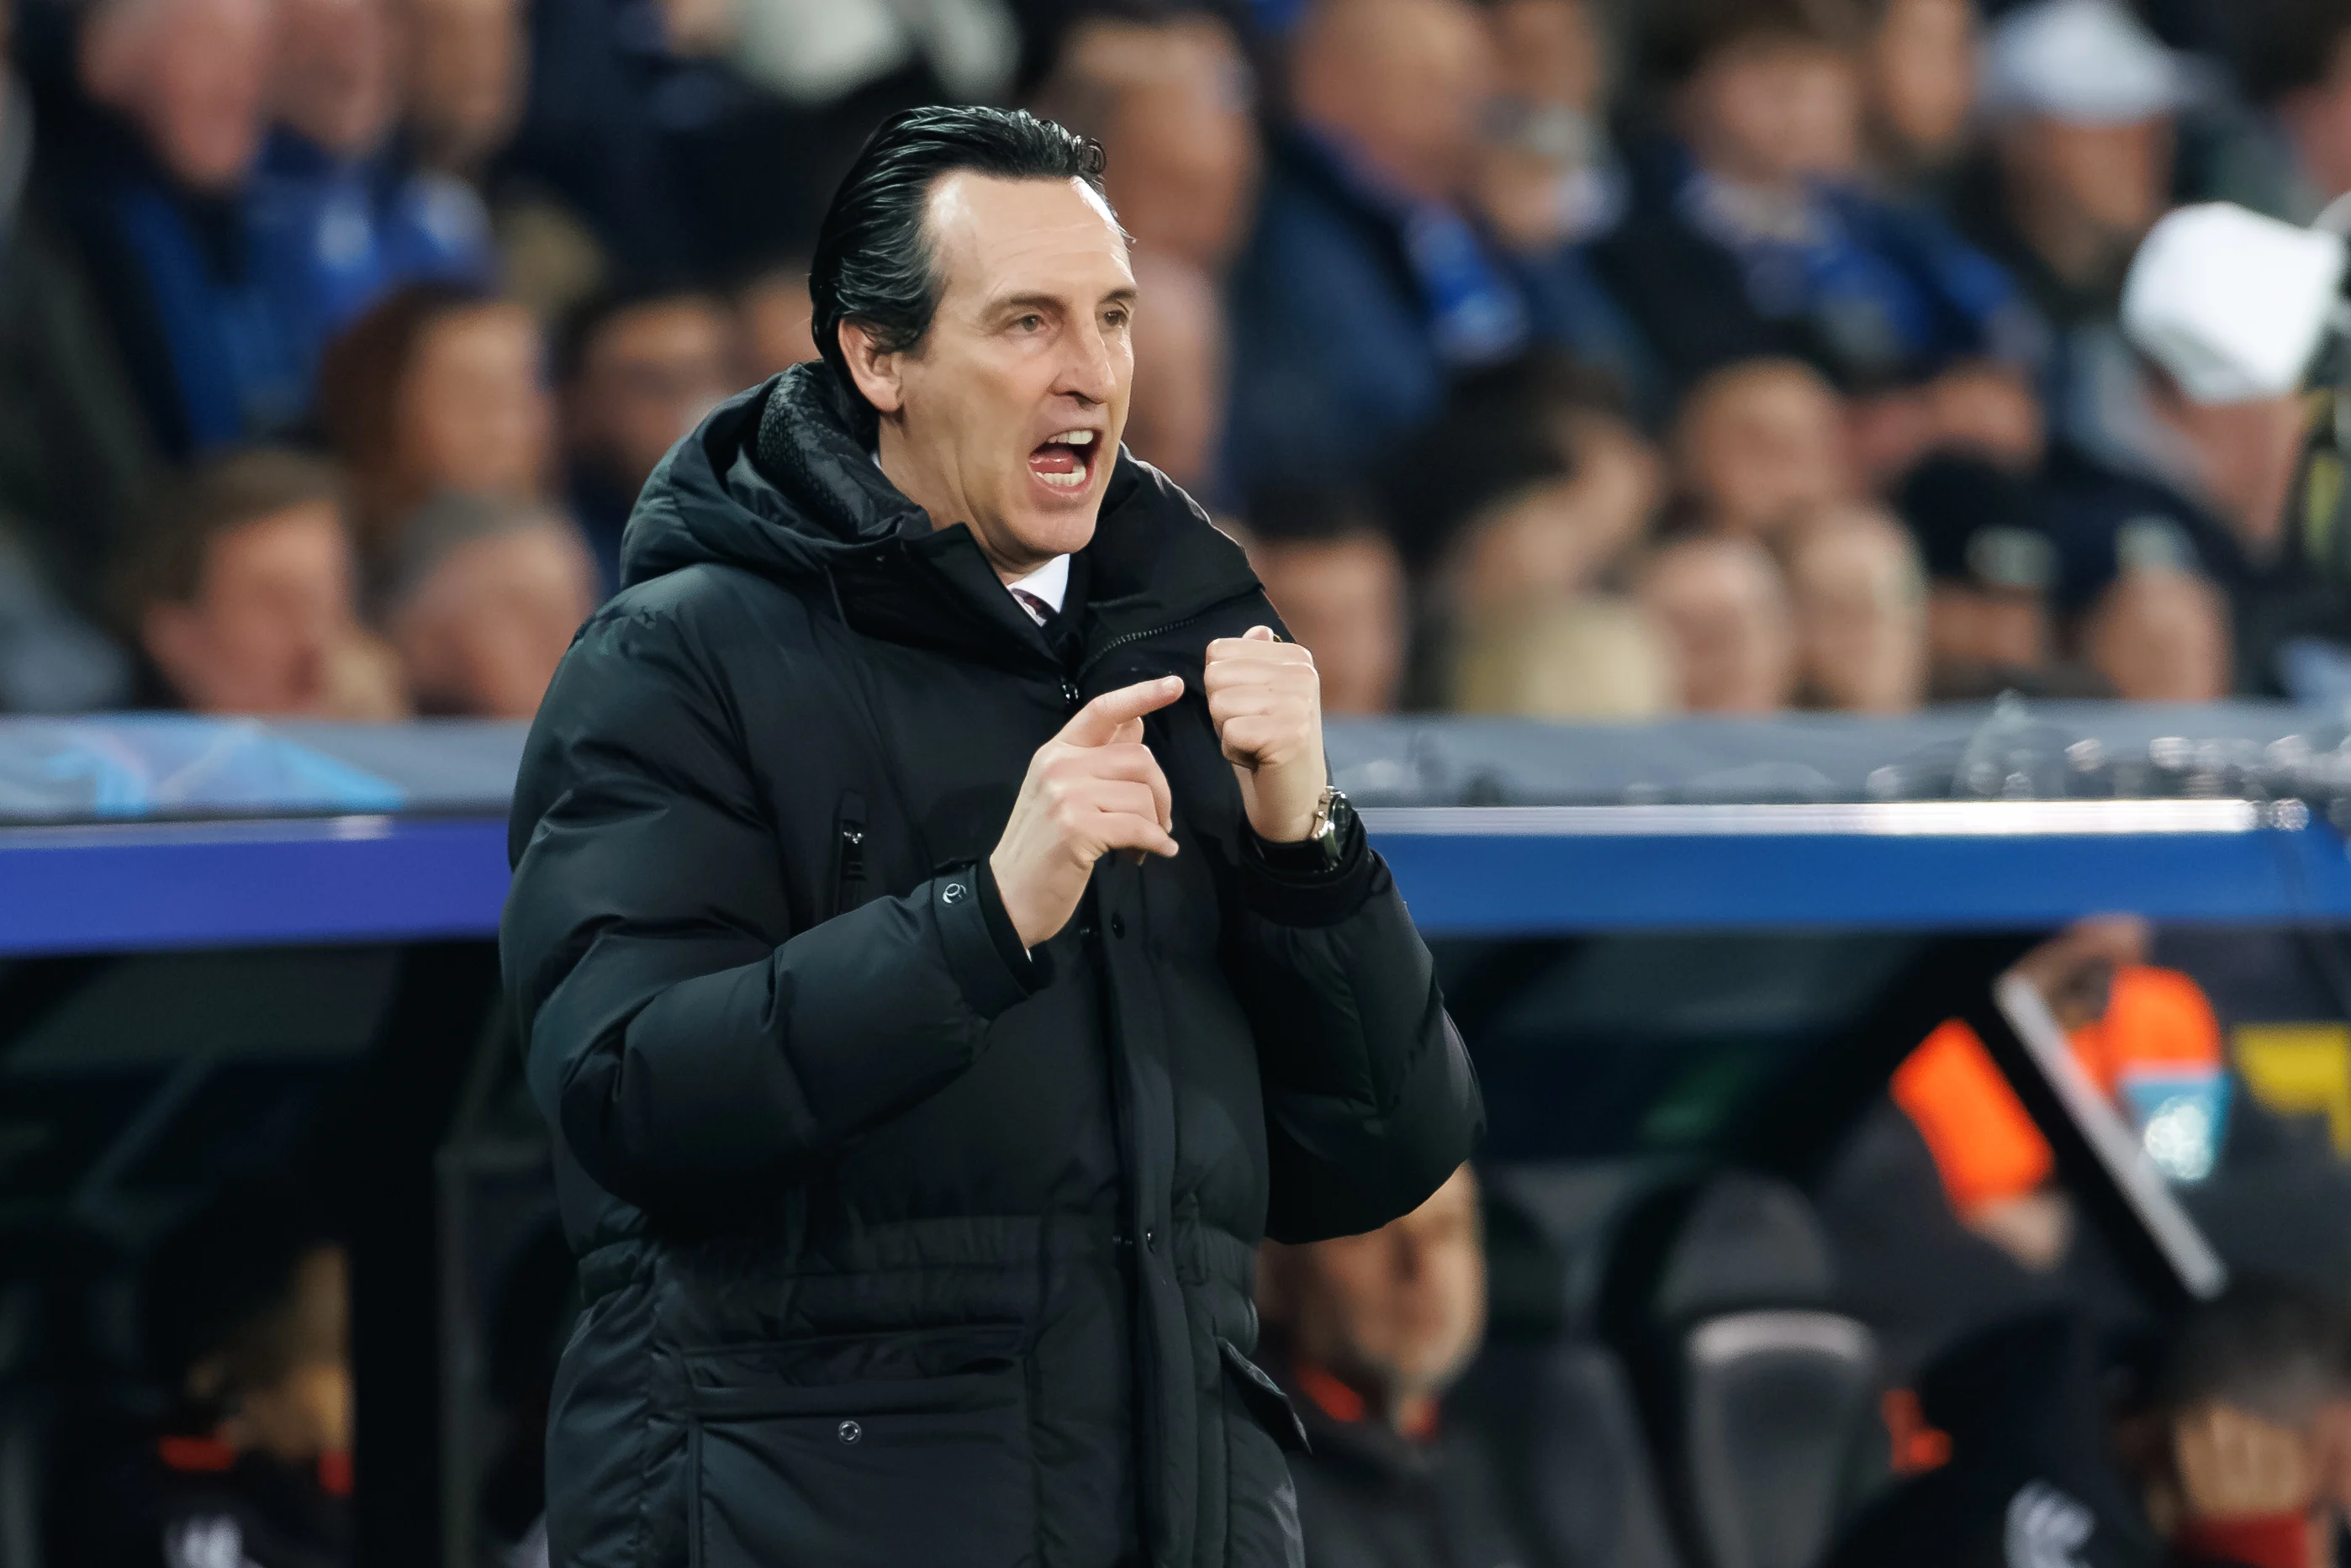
{"points": [[1074, 438], [1064, 481]]}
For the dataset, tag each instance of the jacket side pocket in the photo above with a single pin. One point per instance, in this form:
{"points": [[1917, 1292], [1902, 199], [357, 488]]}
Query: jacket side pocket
{"points": [[864, 1475]]}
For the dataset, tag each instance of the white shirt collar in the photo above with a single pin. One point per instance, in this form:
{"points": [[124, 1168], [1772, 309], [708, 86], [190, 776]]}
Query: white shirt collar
{"points": [[1049, 582]]}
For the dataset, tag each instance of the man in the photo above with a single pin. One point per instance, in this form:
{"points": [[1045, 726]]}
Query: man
{"points": [[484, 594], [940, 956], [238, 590], [1859, 598], [2083, 103], [1749, 231], [637, 371], [1365, 288], [244, 1308], [1372, 1330], [341, 217], [156, 174], [1722, 604], [1761, 443]]}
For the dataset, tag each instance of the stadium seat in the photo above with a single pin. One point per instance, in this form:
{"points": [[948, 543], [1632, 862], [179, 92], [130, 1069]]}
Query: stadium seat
{"points": [[1760, 1402]]}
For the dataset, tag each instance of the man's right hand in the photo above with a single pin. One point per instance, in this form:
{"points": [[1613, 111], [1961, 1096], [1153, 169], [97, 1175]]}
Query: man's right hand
{"points": [[1092, 789]]}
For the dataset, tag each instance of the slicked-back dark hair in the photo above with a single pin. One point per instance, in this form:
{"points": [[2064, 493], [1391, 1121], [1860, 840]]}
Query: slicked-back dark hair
{"points": [[873, 263]]}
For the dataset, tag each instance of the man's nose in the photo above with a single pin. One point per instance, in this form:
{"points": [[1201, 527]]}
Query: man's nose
{"points": [[1088, 369]]}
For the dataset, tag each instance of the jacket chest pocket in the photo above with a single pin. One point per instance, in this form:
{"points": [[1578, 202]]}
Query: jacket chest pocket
{"points": [[863, 1475]]}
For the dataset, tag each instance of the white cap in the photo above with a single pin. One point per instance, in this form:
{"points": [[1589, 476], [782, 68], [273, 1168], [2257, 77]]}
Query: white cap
{"points": [[2232, 304], [2089, 62]]}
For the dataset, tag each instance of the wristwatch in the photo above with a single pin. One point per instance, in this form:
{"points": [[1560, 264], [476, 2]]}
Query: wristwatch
{"points": [[1333, 817]]}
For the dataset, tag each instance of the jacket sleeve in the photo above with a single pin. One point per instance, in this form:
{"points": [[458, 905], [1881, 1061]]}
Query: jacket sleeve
{"points": [[1371, 1103], [678, 1030]]}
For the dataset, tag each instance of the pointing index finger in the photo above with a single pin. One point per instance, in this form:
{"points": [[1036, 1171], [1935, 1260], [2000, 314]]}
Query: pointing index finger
{"points": [[1098, 723]]}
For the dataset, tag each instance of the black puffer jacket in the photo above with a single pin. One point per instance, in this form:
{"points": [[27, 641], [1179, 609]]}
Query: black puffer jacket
{"points": [[902, 1248]]}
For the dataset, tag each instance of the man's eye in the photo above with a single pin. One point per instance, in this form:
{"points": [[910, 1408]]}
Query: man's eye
{"points": [[1030, 324], [1115, 317]]}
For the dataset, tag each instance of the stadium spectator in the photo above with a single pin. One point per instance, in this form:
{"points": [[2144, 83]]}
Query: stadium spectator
{"points": [[159, 162], [1758, 444], [1749, 231], [467, 69], [1173, 104], [1549, 184], [1859, 598], [481, 601], [1918, 89], [2221, 1460], [1365, 286], [1178, 414], [636, 373], [2166, 481], [239, 591], [2160, 634], [1368, 1334], [1335, 578], [1533, 483], [437, 388], [338, 218], [1724, 607], [244, 1308], [2081, 103]]}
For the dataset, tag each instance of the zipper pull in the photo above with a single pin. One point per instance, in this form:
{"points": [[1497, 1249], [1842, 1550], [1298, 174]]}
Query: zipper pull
{"points": [[1070, 693]]}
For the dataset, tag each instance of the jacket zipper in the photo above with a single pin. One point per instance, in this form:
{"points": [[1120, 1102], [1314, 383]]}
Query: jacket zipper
{"points": [[848, 853], [1127, 638]]}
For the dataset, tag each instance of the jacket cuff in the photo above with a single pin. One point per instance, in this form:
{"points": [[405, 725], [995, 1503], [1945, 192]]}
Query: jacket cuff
{"points": [[983, 950], [1321, 897]]}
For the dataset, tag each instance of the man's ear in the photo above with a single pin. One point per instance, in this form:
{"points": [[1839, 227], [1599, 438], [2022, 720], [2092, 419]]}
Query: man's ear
{"points": [[875, 371]]}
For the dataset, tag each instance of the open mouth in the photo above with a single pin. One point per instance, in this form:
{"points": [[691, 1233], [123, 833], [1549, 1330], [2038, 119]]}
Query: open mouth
{"points": [[1065, 462]]}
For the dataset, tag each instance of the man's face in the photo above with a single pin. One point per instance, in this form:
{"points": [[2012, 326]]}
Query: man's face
{"points": [[1771, 111], [192, 74], [648, 376], [2117, 178], [1922, 69], [474, 411], [483, 635], [1008, 415], [1403, 83], [1725, 612], [2161, 635], [274, 603], [467, 65], [335, 76], [1183, 148], [1761, 443], [1860, 621], [1401, 1309]]}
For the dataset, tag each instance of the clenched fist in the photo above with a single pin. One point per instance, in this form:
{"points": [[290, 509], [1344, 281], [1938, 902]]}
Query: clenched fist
{"points": [[1092, 789], [1267, 704]]}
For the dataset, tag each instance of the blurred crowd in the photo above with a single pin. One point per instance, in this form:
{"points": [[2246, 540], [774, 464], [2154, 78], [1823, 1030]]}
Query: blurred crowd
{"points": [[1562, 358]]}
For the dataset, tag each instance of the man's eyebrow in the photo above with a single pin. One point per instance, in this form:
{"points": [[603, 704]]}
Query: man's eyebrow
{"points": [[1124, 295]]}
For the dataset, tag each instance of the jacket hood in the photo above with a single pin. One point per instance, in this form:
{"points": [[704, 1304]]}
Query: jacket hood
{"points": [[712, 497], [781, 480]]}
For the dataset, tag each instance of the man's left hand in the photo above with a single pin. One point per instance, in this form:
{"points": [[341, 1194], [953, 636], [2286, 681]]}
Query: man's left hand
{"points": [[1267, 704]]}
